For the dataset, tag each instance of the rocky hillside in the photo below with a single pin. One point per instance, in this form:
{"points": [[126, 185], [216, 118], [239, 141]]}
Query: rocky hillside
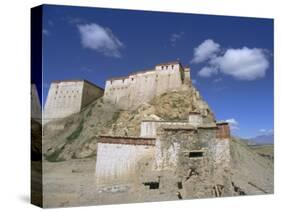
{"points": [[75, 136], [252, 173]]}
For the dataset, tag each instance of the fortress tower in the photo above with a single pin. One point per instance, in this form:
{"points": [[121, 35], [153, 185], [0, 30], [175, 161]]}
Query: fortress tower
{"points": [[68, 97], [137, 88], [35, 104]]}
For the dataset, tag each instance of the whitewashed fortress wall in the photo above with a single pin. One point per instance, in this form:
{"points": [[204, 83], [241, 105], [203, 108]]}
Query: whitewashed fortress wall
{"points": [[129, 92], [68, 97], [35, 104]]}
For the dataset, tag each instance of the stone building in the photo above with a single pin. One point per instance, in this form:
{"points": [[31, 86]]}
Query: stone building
{"points": [[36, 112], [178, 149], [130, 91], [68, 97], [168, 154]]}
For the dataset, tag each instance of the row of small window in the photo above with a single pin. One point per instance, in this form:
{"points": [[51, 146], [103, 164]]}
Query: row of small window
{"points": [[127, 87], [162, 67], [77, 91], [145, 78], [60, 97], [121, 88], [123, 80]]}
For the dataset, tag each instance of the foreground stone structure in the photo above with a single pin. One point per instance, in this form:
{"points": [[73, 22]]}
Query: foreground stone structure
{"points": [[68, 97], [178, 149], [189, 156]]}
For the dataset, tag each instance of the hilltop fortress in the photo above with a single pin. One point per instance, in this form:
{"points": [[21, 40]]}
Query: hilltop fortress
{"points": [[127, 93], [170, 155], [131, 91]]}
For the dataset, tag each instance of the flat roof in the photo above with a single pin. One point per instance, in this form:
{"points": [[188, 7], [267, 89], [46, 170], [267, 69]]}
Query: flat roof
{"points": [[144, 71], [130, 75], [189, 127], [173, 121], [126, 140], [175, 62], [222, 123], [86, 81]]}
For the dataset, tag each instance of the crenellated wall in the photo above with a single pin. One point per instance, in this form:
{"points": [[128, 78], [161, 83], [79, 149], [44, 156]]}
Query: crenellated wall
{"points": [[129, 92]]}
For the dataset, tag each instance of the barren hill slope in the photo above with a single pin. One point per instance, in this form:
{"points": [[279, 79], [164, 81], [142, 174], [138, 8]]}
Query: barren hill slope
{"points": [[75, 136], [251, 172]]}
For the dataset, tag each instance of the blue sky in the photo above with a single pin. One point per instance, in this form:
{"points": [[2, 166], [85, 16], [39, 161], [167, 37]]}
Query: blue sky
{"points": [[231, 58]]}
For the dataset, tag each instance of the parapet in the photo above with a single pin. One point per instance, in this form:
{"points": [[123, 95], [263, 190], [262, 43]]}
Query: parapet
{"points": [[84, 81], [168, 65], [126, 140], [223, 131]]}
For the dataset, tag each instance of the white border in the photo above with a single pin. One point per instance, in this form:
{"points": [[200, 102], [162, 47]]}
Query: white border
{"points": [[15, 66]]}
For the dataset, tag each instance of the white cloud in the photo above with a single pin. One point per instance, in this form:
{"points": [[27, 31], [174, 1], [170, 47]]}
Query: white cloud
{"points": [[50, 23], [98, 38], [205, 51], [194, 81], [266, 131], [242, 64], [175, 37], [234, 125], [207, 71], [74, 20], [46, 32], [217, 80]]}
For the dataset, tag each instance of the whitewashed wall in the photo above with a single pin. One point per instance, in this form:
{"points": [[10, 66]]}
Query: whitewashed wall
{"points": [[149, 128], [166, 158], [69, 97], [35, 104], [195, 119], [116, 163], [131, 91], [63, 99], [221, 152]]}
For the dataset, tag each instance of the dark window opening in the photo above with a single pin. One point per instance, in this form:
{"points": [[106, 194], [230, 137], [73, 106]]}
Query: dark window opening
{"points": [[195, 154], [152, 185], [179, 185]]}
